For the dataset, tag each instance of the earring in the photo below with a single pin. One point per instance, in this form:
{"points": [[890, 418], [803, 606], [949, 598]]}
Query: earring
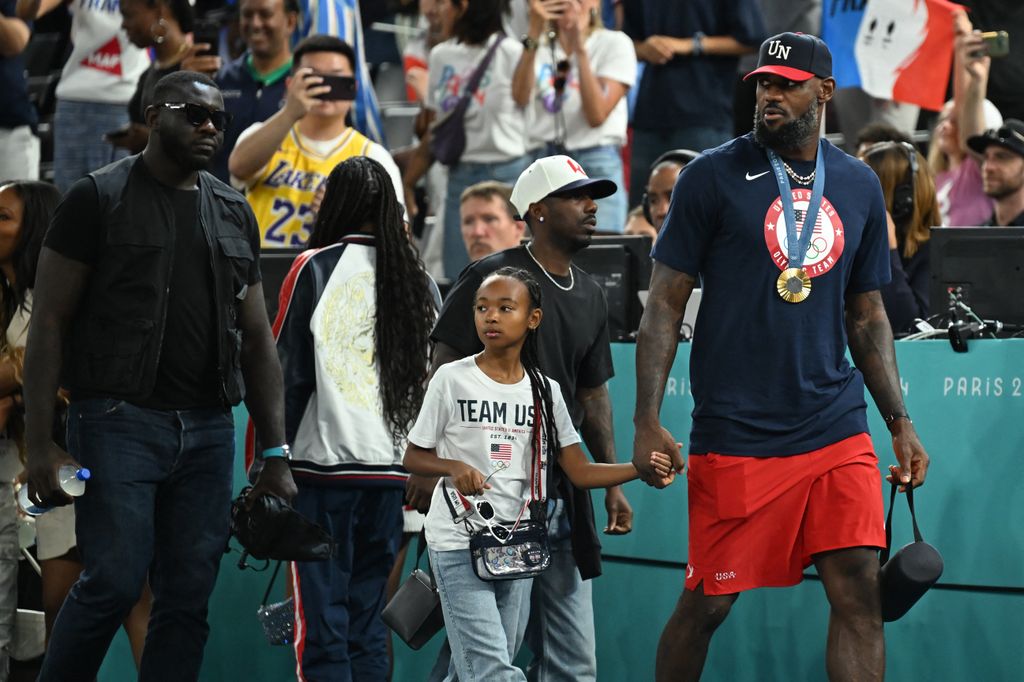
{"points": [[593, 16], [162, 25], [541, 218]]}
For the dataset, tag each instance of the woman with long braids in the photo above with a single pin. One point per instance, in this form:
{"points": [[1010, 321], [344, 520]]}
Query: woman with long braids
{"points": [[480, 415], [352, 330]]}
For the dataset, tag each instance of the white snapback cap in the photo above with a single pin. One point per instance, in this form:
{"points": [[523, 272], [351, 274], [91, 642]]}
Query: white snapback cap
{"points": [[554, 175]]}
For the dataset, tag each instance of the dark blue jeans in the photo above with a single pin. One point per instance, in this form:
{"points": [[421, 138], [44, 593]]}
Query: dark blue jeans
{"points": [[157, 504], [339, 601]]}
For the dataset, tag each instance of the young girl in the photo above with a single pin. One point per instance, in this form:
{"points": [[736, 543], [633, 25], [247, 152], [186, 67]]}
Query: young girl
{"points": [[476, 428]]}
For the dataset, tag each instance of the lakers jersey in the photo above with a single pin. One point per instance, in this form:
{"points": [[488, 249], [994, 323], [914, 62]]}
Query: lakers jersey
{"points": [[282, 194]]}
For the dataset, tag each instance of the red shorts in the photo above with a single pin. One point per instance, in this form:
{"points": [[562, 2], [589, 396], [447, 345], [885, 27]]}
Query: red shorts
{"points": [[757, 521]]}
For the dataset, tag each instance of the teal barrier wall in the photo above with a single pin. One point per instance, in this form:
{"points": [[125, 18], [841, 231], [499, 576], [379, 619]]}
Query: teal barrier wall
{"points": [[969, 411]]}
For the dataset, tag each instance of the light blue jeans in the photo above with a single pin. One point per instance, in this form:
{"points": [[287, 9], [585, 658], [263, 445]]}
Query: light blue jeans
{"points": [[560, 629], [78, 144], [601, 162], [484, 620], [459, 178]]}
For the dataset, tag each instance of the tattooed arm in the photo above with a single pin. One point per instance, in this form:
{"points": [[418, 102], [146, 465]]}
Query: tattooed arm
{"points": [[599, 436], [655, 350], [871, 345]]}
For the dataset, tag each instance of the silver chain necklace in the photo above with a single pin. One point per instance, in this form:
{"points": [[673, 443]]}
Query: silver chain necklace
{"points": [[802, 179], [572, 278]]}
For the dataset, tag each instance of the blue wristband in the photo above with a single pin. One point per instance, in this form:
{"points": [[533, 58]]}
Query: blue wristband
{"points": [[279, 451]]}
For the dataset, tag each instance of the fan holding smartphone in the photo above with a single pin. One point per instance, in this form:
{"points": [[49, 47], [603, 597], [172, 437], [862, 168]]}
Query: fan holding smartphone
{"points": [[286, 159], [162, 25]]}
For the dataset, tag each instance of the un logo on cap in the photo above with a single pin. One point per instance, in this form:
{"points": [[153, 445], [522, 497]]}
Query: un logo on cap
{"points": [[778, 50]]}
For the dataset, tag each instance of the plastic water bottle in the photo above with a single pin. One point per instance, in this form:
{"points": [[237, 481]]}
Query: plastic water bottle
{"points": [[72, 481]]}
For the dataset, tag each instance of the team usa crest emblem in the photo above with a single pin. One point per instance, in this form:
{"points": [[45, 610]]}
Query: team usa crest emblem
{"points": [[826, 245]]}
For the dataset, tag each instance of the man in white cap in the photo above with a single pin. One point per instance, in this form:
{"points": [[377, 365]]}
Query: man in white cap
{"points": [[556, 199]]}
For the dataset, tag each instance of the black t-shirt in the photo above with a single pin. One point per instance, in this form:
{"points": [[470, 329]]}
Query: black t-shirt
{"points": [[573, 338], [143, 95], [187, 371], [1016, 222], [694, 91]]}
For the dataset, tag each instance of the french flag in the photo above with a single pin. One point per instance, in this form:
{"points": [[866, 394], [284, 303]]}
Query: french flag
{"points": [[903, 49]]}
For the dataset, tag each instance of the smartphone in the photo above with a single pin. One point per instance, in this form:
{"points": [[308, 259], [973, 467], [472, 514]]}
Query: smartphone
{"points": [[209, 34], [342, 87], [997, 43]]}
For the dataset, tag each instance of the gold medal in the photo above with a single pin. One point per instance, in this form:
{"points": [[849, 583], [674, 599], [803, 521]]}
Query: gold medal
{"points": [[793, 285]]}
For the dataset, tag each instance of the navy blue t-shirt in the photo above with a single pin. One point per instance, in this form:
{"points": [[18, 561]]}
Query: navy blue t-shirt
{"points": [[769, 377], [690, 90], [16, 110]]}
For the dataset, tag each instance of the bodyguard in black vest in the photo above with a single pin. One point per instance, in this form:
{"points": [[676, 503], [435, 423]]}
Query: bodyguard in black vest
{"points": [[149, 310]]}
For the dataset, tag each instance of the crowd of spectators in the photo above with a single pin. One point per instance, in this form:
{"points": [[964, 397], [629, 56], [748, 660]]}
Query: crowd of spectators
{"points": [[632, 90]]}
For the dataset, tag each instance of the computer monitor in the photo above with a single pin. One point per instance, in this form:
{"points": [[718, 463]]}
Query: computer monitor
{"points": [[986, 263], [274, 266], [622, 265]]}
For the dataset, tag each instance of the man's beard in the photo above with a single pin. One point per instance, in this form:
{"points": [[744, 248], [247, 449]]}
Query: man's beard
{"points": [[789, 135]]}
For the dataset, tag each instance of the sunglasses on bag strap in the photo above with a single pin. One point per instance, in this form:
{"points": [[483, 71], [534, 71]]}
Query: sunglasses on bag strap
{"points": [[197, 115]]}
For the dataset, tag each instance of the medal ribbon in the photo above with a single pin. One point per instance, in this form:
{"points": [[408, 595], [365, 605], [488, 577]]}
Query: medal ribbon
{"points": [[796, 249]]}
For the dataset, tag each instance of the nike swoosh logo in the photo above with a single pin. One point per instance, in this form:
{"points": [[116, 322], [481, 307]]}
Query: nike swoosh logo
{"points": [[755, 177]]}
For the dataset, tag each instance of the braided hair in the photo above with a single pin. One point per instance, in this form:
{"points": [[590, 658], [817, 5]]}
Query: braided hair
{"points": [[544, 429], [359, 193]]}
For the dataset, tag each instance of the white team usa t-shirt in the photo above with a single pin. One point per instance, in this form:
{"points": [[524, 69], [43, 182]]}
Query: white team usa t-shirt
{"points": [[468, 416]]}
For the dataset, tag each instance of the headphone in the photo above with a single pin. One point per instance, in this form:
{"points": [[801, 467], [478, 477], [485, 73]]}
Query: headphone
{"points": [[680, 156], [903, 193]]}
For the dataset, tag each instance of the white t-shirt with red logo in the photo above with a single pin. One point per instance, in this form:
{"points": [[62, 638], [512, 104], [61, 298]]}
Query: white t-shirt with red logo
{"points": [[104, 66]]}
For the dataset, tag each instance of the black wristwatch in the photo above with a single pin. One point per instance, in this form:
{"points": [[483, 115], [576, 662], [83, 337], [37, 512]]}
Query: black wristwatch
{"points": [[529, 43], [890, 419]]}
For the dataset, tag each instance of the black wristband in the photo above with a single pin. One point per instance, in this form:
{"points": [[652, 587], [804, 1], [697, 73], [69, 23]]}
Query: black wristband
{"points": [[890, 418]]}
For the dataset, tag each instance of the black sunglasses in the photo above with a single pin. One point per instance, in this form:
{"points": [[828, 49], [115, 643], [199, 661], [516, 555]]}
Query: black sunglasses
{"points": [[197, 115], [1004, 133]]}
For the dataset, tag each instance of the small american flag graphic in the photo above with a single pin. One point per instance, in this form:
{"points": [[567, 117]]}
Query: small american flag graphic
{"points": [[501, 452]]}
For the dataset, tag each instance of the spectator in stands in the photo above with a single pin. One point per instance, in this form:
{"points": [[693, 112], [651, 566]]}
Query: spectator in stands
{"points": [[254, 84], [488, 219], [161, 25], [25, 212], [286, 159], [873, 133], [495, 124], [95, 85], [19, 146], [660, 183], [688, 48], [354, 326], [574, 89], [434, 30], [909, 190], [637, 224], [1002, 171], [962, 200]]}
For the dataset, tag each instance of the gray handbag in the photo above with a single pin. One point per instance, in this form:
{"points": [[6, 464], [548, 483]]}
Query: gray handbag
{"points": [[414, 613]]}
